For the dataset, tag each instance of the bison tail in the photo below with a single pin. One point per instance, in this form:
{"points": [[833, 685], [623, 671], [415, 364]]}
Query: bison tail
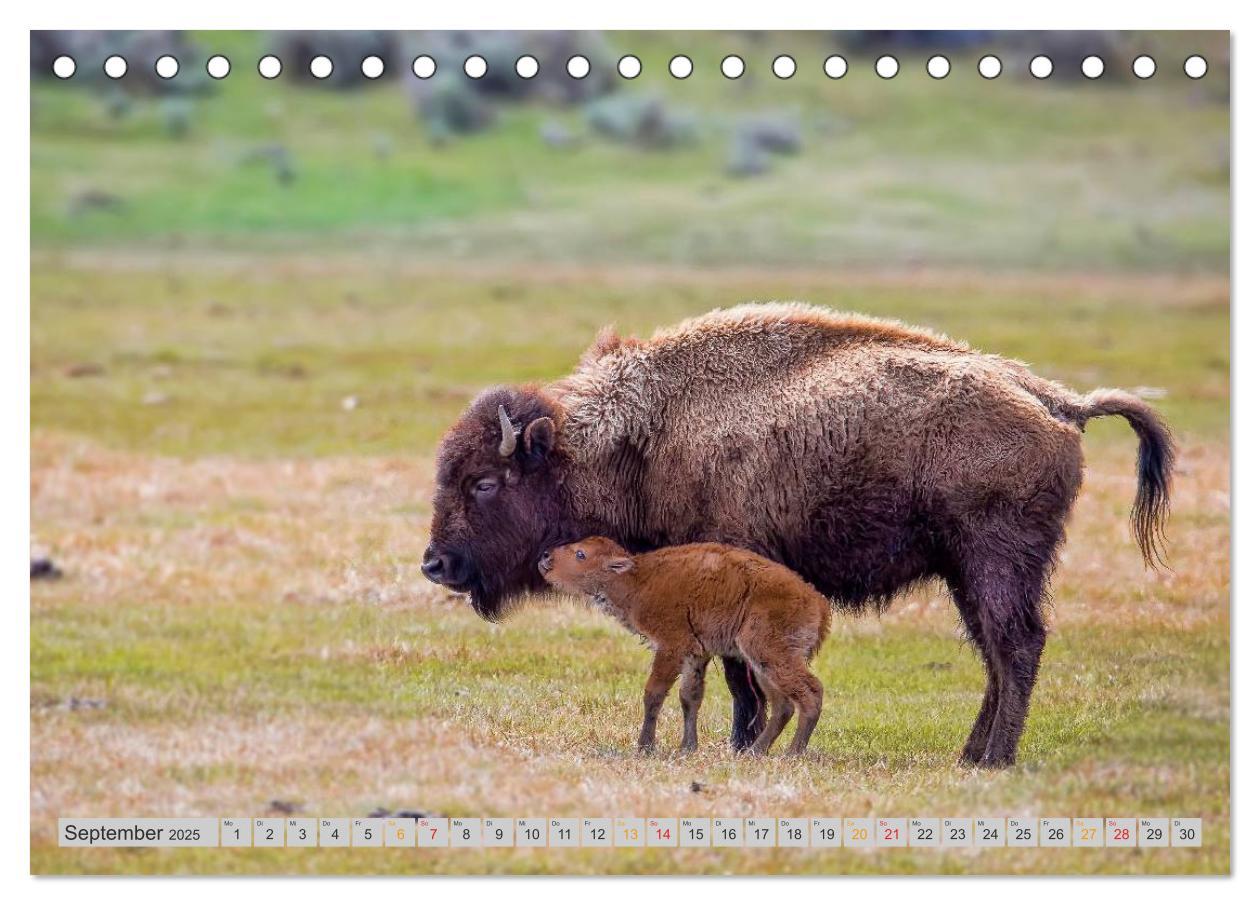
{"points": [[1156, 454]]}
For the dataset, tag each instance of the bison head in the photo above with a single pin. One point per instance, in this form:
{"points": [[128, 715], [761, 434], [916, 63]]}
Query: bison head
{"points": [[498, 504]]}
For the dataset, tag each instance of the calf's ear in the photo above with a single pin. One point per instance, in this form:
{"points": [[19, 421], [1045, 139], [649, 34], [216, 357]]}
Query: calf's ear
{"points": [[540, 439], [620, 564]]}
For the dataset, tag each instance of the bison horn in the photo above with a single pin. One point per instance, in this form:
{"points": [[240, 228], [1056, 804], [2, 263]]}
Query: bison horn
{"points": [[507, 445]]}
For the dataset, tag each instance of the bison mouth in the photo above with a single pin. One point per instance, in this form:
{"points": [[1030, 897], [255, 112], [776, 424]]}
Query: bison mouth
{"points": [[492, 587], [492, 601]]}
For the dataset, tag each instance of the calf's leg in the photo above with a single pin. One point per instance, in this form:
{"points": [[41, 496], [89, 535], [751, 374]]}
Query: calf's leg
{"points": [[666, 665], [782, 667], [780, 713], [787, 671], [690, 695], [806, 692]]}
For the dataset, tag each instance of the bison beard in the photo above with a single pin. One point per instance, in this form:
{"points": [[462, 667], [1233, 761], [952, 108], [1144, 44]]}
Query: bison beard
{"points": [[866, 455], [491, 599]]}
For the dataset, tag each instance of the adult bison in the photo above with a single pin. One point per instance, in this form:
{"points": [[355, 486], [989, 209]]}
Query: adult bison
{"points": [[862, 453]]}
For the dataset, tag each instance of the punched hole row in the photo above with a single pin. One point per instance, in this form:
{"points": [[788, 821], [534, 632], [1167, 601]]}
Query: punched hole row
{"points": [[629, 66]]}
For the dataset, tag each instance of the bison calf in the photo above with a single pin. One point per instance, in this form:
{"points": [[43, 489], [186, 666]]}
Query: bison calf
{"points": [[699, 601]]}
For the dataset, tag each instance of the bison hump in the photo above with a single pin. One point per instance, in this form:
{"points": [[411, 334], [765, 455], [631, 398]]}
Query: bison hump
{"points": [[606, 343]]}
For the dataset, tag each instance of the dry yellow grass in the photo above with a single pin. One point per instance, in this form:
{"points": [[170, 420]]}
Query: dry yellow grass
{"points": [[533, 718]]}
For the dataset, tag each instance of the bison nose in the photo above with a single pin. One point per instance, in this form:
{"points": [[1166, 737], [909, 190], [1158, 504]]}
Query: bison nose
{"points": [[433, 567], [440, 567], [544, 564]]}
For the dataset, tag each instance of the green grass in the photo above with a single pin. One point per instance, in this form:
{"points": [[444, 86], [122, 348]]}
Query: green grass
{"points": [[909, 692], [258, 360], [562, 690]]}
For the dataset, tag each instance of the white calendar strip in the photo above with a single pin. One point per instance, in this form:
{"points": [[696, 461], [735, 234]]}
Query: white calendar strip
{"points": [[632, 832]]}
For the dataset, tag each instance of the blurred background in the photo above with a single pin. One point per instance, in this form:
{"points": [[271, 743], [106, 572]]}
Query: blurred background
{"points": [[257, 304], [1013, 172], [783, 177]]}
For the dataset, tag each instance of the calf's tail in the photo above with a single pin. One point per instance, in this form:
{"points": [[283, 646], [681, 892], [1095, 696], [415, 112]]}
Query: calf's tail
{"points": [[1156, 455]]}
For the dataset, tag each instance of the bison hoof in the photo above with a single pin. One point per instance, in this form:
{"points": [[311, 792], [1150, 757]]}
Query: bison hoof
{"points": [[996, 762], [986, 761]]}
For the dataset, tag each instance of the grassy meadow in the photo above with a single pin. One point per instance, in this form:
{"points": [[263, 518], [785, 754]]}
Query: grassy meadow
{"points": [[238, 383]]}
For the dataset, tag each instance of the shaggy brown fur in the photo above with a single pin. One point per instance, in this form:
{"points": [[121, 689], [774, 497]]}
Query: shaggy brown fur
{"points": [[863, 454], [698, 601]]}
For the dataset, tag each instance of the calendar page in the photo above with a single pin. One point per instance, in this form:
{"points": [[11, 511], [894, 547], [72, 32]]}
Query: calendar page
{"points": [[644, 452]]}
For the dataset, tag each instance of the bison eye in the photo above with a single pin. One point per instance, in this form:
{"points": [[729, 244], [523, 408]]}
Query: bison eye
{"points": [[486, 489], [580, 555]]}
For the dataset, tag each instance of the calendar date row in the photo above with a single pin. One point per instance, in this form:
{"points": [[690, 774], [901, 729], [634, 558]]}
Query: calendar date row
{"points": [[633, 832]]}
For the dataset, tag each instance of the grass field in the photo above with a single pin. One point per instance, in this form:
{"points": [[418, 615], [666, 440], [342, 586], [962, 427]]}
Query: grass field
{"points": [[237, 388]]}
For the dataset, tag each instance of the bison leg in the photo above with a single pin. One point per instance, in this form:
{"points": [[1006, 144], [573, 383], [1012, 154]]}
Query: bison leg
{"points": [[978, 741], [1004, 595], [666, 666], [807, 692], [747, 702], [794, 688], [781, 711], [691, 695], [1020, 660], [790, 686]]}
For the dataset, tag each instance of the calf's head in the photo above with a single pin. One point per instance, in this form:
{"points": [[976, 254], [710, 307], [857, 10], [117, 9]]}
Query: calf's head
{"points": [[586, 566], [498, 501]]}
